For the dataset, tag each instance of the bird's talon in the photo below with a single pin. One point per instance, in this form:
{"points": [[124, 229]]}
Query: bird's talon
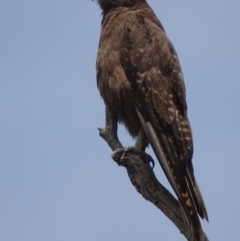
{"points": [[118, 154]]}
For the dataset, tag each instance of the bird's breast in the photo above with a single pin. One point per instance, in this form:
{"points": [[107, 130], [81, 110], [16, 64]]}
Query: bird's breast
{"points": [[117, 94]]}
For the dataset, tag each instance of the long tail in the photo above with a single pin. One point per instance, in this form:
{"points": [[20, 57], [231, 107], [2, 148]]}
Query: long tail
{"points": [[197, 196], [185, 187]]}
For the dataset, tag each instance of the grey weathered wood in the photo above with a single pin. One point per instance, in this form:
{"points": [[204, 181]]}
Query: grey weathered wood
{"points": [[143, 178]]}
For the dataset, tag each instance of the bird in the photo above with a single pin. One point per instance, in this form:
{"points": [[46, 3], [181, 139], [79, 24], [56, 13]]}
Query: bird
{"points": [[141, 82]]}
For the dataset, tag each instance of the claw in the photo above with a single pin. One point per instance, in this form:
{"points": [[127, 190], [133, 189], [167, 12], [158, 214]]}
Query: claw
{"points": [[118, 154], [152, 162]]}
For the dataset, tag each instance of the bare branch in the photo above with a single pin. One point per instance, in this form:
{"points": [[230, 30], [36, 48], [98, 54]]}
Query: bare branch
{"points": [[143, 178]]}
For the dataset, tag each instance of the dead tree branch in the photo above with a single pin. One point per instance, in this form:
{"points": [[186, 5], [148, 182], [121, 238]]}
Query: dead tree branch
{"points": [[143, 178]]}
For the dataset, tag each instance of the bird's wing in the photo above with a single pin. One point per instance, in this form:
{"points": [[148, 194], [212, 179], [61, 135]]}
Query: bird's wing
{"points": [[153, 70]]}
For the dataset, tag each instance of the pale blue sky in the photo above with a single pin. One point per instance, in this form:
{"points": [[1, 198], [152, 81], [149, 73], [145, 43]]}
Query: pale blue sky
{"points": [[57, 179]]}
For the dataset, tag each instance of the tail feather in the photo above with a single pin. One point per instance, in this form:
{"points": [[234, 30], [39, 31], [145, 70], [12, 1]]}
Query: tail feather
{"points": [[200, 205], [181, 180]]}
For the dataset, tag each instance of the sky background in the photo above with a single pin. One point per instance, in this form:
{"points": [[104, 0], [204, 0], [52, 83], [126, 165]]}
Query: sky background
{"points": [[57, 179]]}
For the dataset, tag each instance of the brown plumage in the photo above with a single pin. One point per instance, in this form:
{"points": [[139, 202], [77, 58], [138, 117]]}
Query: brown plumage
{"points": [[141, 82]]}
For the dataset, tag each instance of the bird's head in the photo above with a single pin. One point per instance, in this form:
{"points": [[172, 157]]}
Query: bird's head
{"points": [[109, 4]]}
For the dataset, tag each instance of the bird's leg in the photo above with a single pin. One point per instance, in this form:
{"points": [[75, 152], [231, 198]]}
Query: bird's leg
{"points": [[141, 141], [140, 146], [109, 134]]}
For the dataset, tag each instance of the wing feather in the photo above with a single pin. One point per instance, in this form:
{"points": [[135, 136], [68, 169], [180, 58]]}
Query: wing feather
{"points": [[152, 67]]}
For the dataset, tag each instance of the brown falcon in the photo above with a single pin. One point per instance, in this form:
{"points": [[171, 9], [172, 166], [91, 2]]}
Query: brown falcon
{"points": [[141, 82]]}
